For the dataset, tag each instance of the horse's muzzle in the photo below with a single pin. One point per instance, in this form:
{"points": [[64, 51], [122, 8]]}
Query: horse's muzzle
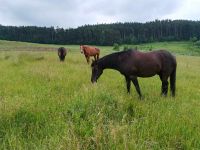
{"points": [[93, 82]]}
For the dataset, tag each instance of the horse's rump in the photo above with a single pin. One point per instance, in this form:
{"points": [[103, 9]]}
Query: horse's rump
{"points": [[97, 49], [152, 63]]}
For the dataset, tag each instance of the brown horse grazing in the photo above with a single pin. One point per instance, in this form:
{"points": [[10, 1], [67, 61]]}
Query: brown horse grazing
{"points": [[62, 52], [133, 64], [90, 51]]}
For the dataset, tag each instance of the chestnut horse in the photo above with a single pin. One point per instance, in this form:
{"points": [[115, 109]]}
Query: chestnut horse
{"points": [[90, 51], [133, 64]]}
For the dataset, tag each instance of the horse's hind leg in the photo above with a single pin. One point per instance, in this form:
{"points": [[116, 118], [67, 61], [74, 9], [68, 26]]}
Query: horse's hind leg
{"points": [[128, 84], [173, 82], [137, 87], [164, 85]]}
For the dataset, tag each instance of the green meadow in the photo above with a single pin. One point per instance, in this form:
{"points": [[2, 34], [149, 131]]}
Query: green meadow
{"points": [[47, 104]]}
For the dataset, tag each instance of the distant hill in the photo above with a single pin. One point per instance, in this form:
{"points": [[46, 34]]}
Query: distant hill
{"points": [[106, 34]]}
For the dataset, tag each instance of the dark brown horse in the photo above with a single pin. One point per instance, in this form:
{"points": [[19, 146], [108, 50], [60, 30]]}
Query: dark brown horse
{"points": [[90, 51], [133, 64], [62, 52]]}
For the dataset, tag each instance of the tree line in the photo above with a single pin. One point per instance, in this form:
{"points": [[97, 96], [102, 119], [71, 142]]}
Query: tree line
{"points": [[106, 34]]}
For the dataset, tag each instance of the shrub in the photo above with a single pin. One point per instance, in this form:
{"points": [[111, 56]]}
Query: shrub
{"points": [[125, 48], [150, 48], [197, 43], [116, 46], [193, 39]]}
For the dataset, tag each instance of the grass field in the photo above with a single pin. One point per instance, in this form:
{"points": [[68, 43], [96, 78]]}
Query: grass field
{"points": [[46, 104]]}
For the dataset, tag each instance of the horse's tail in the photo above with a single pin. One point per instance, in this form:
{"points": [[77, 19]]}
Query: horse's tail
{"points": [[173, 82]]}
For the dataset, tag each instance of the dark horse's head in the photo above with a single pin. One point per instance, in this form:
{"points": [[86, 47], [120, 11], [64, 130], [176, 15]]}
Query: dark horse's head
{"points": [[96, 71]]}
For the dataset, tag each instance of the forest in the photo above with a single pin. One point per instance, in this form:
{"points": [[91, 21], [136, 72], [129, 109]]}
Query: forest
{"points": [[106, 34]]}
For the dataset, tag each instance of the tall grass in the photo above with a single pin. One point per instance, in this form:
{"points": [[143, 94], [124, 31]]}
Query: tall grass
{"points": [[46, 104]]}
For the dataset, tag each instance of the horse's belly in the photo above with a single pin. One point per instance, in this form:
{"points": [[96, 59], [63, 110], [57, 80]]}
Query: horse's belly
{"points": [[148, 71], [92, 53], [145, 75]]}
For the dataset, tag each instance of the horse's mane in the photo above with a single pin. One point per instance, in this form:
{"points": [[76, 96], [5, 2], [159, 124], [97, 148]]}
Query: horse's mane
{"points": [[124, 52], [119, 53], [111, 58]]}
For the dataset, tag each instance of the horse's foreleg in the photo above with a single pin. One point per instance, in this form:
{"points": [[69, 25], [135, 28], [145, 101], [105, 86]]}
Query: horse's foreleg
{"points": [[137, 87], [88, 59], [97, 56], [128, 84]]}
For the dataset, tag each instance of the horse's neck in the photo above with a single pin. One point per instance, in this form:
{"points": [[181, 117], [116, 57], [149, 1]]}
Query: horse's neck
{"points": [[109, 62]]}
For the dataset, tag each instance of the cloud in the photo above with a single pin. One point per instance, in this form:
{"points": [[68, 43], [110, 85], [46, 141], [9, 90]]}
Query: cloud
{"points": [[188, 10], [68, 13]]}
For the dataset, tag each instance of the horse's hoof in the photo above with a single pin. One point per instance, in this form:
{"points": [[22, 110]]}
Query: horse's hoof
{"points": [[163, 95], [141, 97]]}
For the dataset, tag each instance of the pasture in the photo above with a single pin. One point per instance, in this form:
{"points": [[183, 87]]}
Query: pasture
{"points": [[48, 104]]}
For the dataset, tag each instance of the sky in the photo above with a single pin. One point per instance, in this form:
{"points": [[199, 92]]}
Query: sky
{"points": [[74, 13]]}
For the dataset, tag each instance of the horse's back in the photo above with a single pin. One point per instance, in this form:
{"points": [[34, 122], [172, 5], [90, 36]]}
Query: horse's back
{"points": [[62, 51], [157, 55], [146, 64], [90, 50]]}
